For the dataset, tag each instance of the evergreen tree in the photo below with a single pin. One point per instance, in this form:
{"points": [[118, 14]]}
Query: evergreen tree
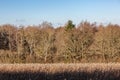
{"points": [[69, 25]]}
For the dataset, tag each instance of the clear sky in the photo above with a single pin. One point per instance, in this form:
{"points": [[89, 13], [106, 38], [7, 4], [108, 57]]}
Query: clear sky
{"points": [[58, 11]]}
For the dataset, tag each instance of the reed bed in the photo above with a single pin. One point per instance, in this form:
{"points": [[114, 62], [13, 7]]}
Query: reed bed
{"points": [[61, 71]]}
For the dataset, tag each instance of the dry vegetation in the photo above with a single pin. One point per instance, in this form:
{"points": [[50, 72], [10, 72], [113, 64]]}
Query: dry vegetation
{"points": [[87, 42], [94, 71]]}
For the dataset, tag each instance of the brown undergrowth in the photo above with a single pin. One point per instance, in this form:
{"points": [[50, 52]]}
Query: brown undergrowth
{"points": [[94, 71]]}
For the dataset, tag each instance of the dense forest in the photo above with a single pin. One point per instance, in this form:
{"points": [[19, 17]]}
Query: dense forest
{"points": [[86, 42]]}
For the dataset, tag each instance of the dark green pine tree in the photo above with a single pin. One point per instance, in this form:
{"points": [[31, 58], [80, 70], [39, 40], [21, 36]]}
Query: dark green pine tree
{"points": [[69, 25]]}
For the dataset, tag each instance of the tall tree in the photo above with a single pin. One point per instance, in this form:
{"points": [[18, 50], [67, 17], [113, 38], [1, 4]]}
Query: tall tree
{"points": [[69, 25]]}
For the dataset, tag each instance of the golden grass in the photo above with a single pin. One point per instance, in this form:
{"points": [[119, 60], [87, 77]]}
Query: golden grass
{"points": [[53, 68], [86, 71]]}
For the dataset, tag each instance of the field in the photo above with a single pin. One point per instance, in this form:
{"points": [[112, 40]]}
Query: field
{"points": [[94, 71]]}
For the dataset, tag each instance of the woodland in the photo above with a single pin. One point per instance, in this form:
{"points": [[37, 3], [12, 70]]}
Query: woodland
{"points": [[43, 43]]}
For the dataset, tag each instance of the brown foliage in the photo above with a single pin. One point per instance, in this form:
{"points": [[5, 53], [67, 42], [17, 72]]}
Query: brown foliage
{"points": [[60, 71], [45, 44]]}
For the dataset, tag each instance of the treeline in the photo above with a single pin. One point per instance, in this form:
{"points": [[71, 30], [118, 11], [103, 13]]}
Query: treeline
{"points": [[86, 42]]}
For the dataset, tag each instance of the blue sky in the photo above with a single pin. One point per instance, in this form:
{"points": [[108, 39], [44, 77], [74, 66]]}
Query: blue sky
{"points": [[28, 12]]}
